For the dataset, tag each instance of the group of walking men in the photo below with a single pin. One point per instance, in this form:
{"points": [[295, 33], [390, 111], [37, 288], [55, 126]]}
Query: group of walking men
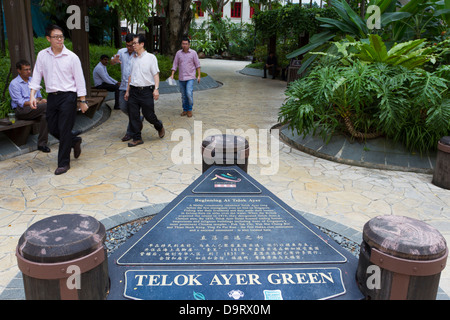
{"points": [[66, 87]]}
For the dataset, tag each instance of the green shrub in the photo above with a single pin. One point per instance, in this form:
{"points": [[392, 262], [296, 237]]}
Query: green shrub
{"points": [[95, 52], [366, 90], [260, 53], [256, 65], [367, 100], [215, 37], [5, 104]]}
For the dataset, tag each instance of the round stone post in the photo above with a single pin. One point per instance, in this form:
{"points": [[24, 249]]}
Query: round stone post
{"points": [[63, 258], [225, 150], [401, 259]]}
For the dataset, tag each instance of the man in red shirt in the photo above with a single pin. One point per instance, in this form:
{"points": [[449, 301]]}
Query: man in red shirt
{"points": [[187, 62]]}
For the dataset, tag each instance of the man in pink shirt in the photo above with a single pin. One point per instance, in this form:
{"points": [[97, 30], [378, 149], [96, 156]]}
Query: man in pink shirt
{"points": [[64, 82], [186, 60]]}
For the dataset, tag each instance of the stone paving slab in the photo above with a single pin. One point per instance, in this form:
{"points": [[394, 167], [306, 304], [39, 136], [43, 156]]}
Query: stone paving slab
{"points": [[110, 179], [205, 83]]}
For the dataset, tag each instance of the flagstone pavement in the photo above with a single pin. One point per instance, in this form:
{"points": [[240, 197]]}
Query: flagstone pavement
{"points": [[110, 178]]}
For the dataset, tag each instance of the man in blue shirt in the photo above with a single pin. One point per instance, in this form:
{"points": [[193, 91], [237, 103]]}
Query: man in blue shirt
{"points": [[124, 57], [20, 102], [102, 80]]}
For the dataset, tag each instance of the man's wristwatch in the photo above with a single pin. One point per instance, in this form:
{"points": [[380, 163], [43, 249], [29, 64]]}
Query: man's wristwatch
{"points": [[83, 101]]}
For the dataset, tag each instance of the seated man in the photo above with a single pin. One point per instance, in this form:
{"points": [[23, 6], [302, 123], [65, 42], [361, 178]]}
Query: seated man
{"points": [[271, 64], [20, 102], [102, 80]]}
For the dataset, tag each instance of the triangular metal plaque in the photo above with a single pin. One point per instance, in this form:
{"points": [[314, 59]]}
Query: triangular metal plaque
{"points": [[228, 237], [225, 229], [227, 181]]}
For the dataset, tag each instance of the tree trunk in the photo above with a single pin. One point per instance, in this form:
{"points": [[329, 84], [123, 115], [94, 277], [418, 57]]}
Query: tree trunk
{"points": [[20, 32], [363, 9], [179, 15], [80, 42], [117, 30], [2, 31], [272, 47], [357, 134]]}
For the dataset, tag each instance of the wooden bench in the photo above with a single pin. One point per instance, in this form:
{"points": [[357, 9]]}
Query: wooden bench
{"points": [[95, 101], [99, 92], [19, 131]]}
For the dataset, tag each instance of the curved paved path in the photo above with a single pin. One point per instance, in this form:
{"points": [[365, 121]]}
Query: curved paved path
{"points": [[109, 178]]}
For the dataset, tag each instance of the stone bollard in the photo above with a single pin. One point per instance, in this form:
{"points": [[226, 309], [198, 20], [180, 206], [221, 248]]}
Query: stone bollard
{"points": [[63, 258], [401, 259], [225, 150], [441, 175]]}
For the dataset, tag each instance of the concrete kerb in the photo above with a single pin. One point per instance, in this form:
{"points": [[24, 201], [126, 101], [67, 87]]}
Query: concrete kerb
{"points": [[366, 164]]}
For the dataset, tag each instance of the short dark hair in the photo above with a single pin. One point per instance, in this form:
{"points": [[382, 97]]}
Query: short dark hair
{"points": [[104, 56], [50, 28], [129, 37], [185, 38], [21, 63], [141, 38]]}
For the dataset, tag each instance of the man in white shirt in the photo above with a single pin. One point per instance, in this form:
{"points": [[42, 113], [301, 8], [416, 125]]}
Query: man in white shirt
{"points": [[64, 82], [142, 90], [102, 80], [123, 57]]}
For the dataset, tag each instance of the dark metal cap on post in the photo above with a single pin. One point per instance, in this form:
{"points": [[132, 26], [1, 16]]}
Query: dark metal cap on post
{"points": [[410, 255], [225, 150], [63, 257]]}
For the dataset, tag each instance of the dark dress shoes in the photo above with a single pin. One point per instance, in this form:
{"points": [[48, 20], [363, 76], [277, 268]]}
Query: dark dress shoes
{"points": [[77, 149], [76, 132], [135, 143], [162, 132], [61, 170], [44, 149], [126, 137]]}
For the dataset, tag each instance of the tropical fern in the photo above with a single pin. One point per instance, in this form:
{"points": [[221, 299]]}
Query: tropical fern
{"points": [[296, 110], [438, 118], [427, 88], [392, 104], [408, 105]]}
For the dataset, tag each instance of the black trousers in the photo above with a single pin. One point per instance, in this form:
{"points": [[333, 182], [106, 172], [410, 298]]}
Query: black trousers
{"points": [[111, 88], [26, 113], [273, 70], [61, 114], [141, 99]]}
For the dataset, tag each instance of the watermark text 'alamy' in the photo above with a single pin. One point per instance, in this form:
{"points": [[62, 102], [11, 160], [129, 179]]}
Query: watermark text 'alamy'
{"points": [[189, 148]]}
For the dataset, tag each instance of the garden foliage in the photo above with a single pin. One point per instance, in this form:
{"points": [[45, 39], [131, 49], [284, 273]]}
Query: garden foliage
{"points": [[365, 90], [392, 81]]}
